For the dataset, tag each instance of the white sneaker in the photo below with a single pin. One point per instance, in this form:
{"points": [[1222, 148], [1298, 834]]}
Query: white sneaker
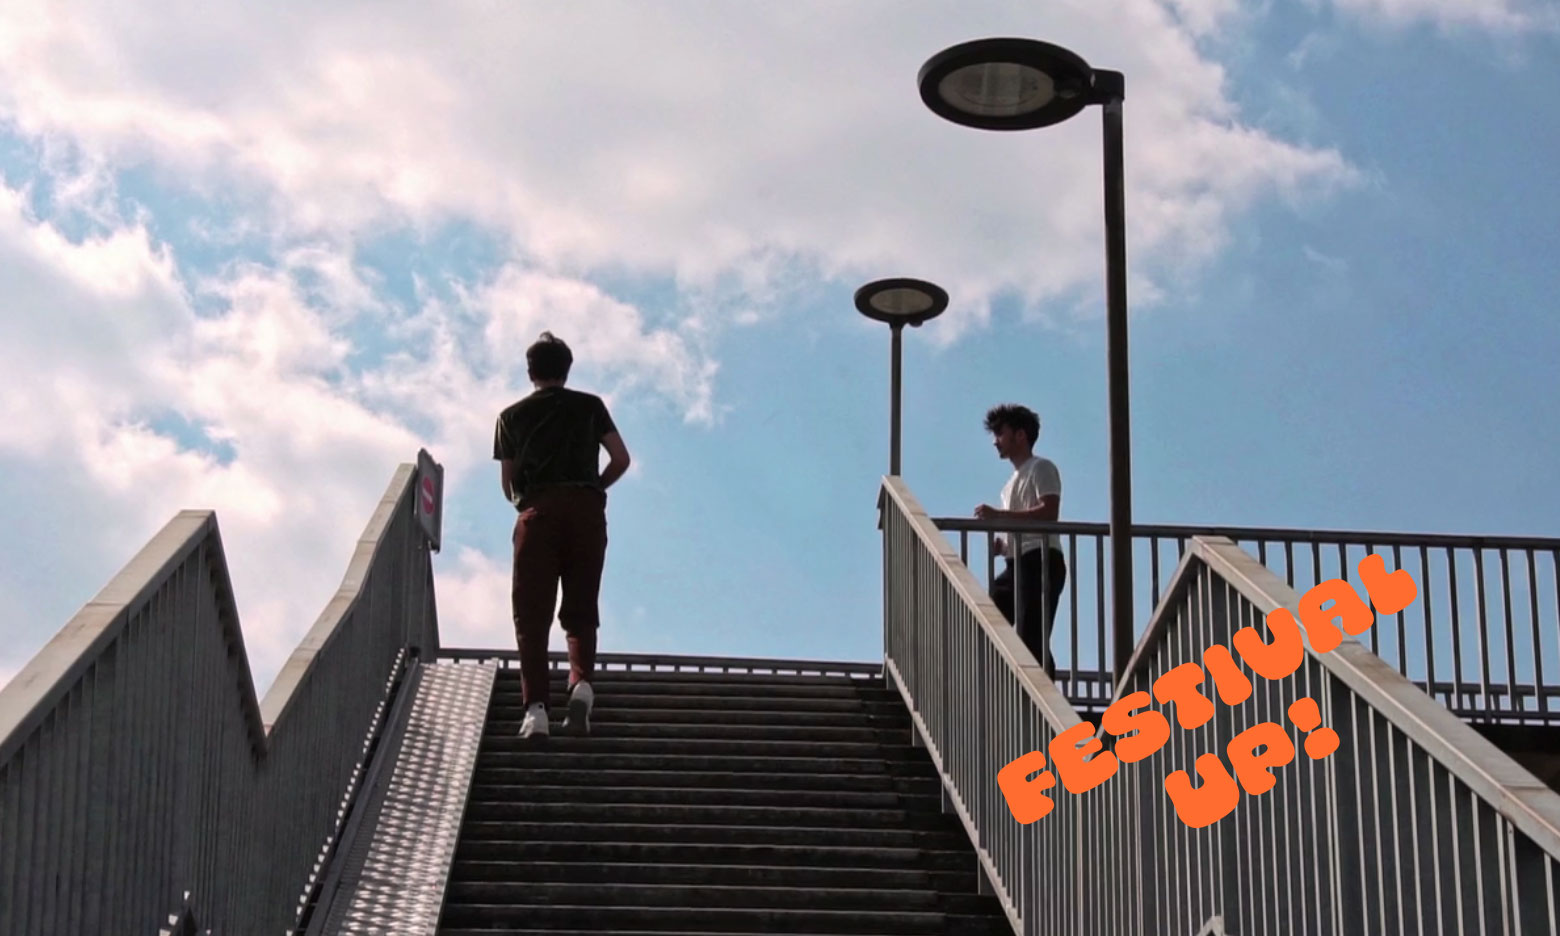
{"points": [[535, 724], [580, 701]]}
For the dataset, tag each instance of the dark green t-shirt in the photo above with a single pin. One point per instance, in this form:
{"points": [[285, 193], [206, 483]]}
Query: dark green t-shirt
{"points": [[554, 437]]}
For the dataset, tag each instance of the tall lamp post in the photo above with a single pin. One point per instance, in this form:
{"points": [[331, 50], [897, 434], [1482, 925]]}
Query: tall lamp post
{"points": [[1022, 84], [899, 302]]}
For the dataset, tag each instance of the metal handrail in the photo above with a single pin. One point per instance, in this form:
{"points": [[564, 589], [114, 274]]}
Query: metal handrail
{"points": [[136, 763], [1035, 684], [1239, 533], [964, 675], [1480, 640], [1401, 854], [1510, 789], [978, 699]]}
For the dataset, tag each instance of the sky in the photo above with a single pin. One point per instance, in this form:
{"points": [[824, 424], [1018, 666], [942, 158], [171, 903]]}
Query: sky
{"points": [[256, 257]]}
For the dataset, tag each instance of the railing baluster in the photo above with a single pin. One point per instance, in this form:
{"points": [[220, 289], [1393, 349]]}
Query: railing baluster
{"points": [[1375, 632], [1072, 598], [1457, 668], [1554, 570], [1153, 566], [1540, 696], [1402, 646], [1427, 607], [1513, 701], [1487, 703], [1099, 605]]}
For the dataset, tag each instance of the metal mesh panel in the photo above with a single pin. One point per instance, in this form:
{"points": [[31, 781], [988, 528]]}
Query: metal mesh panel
{"points": [[400, 888]]}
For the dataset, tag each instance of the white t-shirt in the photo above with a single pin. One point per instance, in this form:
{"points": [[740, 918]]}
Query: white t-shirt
{"points": [[1031, 481]]}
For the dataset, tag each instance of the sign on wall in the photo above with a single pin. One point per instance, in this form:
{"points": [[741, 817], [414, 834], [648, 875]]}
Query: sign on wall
{"points": [[430, 496]]}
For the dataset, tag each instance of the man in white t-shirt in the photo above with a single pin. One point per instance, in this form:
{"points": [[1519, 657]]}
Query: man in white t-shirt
{"points": [[1034, 492]]}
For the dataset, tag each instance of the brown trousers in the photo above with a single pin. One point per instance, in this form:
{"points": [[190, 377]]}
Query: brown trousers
{"points": [[560, 537]]}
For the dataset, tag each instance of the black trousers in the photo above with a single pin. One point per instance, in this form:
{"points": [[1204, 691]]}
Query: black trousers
{"points": [[1044, 574]]}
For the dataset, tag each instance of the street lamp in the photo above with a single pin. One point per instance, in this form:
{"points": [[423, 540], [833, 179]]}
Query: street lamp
{"points": [[1021, 84], [899, 302]]}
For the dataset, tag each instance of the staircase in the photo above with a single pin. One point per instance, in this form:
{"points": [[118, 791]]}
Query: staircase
{"points": [[1535, 747], [712, 803]]}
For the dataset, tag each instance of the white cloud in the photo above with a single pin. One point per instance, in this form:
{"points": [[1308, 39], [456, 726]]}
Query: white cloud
{"points": [[610, 335], [100, 344], [473, 591], [1314, 46], [698, 141], [1205, 17], [1330, 262], [736, 148], [1499, 16]]}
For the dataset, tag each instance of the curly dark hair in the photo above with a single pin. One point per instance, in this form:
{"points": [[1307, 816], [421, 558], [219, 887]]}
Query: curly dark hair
{"points": [[549, 358], [1015, 417]]}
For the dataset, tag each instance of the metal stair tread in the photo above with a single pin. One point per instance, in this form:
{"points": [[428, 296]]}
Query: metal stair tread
{"points": [[851, 921], [737, 815], [579, 753], [484, 792], [606, 712], [624, 872], [797, 806], [509, 831], [505, 743], [729, 703], [490, 775], [600, 892], [921, 856]]}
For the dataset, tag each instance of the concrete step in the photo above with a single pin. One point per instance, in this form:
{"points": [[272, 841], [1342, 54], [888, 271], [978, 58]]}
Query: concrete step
{"points": [[705, 795], [476, 830], [955, 857], [580, 755], [510, 676], [608, 712], [626, 687], [512, 706], [467, 918], [730, 875], [504, 742], [688, 815], [708, 896], [710, 804], [915, 781], [509, 681], [512, 931], [849, 733]]}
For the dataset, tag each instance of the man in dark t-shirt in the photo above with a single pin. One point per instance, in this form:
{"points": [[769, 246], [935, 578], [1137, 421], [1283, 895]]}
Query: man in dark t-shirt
{"points": [[548, 446]]}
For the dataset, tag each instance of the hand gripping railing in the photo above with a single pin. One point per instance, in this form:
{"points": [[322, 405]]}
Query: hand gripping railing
{"points": [[1416, 824], [136, 764]]}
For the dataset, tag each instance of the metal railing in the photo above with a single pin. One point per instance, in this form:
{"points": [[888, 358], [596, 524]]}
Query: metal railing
{"points": [[978, 699], [137, 765], [1483, 638], [1415, 824]]}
